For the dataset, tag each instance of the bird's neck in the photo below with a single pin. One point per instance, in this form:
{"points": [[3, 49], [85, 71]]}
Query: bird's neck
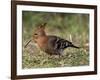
{"points": [[42, 41]]}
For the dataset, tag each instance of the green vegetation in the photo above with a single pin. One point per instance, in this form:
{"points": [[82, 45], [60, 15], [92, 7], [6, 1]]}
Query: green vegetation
{"points": [[70, 26]]}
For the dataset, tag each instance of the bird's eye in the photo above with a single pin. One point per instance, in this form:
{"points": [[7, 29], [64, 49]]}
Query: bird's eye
{"points": [[35, 34]]}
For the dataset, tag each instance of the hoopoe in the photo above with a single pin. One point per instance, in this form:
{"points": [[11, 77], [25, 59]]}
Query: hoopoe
{"points": [[52, 45]]}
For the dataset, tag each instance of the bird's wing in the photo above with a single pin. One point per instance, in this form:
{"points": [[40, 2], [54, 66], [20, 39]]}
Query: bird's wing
{"points": [[58, 43]]}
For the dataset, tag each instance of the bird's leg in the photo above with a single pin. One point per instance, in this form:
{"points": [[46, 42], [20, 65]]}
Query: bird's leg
{"points": [[49, 56], [57, 56], [60, 55]]}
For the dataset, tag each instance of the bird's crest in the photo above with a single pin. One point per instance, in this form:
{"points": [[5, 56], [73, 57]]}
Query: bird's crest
{"points": [[42, 26]]}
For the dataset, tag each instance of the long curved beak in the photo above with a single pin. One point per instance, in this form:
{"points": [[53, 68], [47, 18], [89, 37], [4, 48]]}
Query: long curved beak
{"points": [[27, 43]]}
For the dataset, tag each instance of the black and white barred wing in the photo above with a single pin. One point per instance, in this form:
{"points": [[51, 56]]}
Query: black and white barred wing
{"points": [[59, 43]]}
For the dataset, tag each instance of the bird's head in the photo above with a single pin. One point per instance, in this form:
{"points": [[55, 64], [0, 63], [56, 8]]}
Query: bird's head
{"points": [[40, 31]]}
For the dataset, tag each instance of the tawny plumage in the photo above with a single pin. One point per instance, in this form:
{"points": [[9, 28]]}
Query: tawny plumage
{"points": [[50, 44]]}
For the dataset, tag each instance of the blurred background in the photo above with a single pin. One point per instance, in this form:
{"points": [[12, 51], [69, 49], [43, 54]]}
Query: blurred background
{"points": [[71, 26]]}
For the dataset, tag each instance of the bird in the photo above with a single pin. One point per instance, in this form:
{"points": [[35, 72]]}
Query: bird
{"points": [[50, 44]]}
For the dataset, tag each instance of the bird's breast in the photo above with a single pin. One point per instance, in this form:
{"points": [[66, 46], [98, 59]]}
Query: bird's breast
{"points": [[42, 42]]}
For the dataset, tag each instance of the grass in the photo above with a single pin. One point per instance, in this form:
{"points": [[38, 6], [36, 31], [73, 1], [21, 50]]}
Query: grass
{"points": [[39, 59], [73, 27]]}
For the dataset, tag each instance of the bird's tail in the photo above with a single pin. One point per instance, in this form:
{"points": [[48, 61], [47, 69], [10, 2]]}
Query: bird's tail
{"points": [[74, 46]]}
